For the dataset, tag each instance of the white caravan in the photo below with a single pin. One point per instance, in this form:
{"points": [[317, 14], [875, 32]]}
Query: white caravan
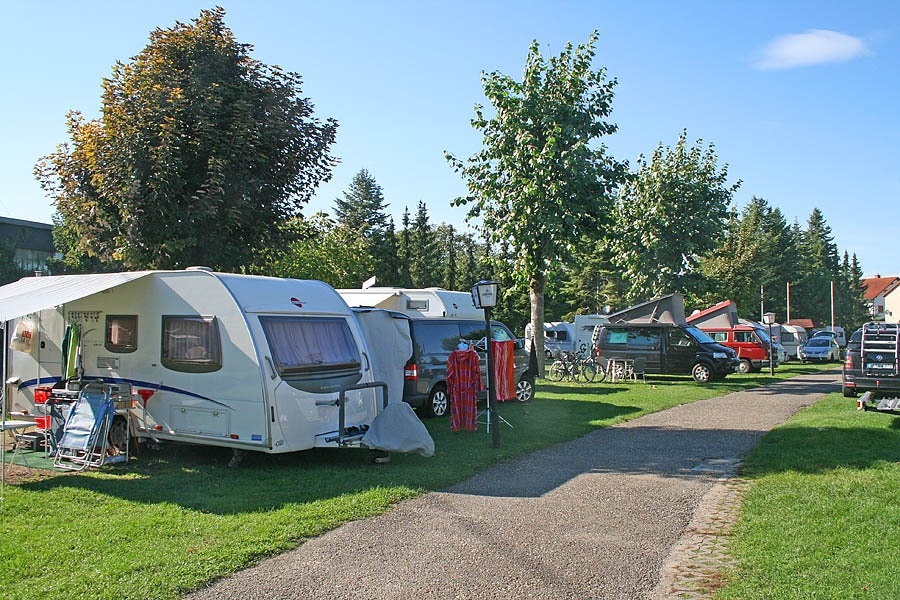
{"points": [[246, 362], [415, 303], [559, 336], [585, 326]]}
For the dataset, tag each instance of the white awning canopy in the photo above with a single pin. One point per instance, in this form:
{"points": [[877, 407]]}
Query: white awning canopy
{"points": [[31, 294]]}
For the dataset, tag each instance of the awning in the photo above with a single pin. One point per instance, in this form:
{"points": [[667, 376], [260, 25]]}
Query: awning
{"points": [[31, 294]]}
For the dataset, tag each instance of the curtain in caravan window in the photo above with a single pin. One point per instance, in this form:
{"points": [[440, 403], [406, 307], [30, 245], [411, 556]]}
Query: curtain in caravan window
{"points": [[191, 344], [301, 344]]}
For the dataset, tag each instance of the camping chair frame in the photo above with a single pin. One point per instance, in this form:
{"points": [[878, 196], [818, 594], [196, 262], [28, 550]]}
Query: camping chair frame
{"points": [[85, 438]]}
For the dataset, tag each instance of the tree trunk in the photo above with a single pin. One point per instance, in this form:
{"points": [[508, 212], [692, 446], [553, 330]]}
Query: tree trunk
{"points": [[536, 293]]}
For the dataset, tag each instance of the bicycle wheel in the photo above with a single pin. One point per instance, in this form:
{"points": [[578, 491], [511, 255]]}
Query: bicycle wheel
{"points": [[557, 371], [588, 371], [600, 371]]}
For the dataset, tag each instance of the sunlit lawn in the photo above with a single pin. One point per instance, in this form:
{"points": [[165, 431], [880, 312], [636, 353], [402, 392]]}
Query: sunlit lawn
{"points": [[176, 519]]}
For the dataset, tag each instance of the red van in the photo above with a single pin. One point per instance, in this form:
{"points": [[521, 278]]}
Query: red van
{"points": [[751, 344]]}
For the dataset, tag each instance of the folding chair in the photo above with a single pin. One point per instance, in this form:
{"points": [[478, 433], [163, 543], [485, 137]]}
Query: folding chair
{"points": [[85, 434]]}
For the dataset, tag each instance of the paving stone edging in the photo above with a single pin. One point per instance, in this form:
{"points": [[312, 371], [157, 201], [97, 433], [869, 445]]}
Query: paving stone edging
{"points": [[694, 569]]}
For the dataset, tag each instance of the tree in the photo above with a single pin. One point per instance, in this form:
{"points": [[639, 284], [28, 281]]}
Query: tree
{"points": [[538, 184], [362, 210], [758, 255], [200, 153], [819, 268], [424, 264], [670, 214], [321, 249]]}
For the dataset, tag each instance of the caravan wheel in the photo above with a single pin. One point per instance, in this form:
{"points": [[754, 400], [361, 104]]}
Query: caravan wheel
{"points": [[118, 435], [745, 366]]}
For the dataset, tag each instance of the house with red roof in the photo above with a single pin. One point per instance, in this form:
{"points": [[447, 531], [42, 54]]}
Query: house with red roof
{"points": [[877, 291]]}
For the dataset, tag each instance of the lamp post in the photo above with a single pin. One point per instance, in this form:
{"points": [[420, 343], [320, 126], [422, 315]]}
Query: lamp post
{"points": [[768, 319], [484, 296]]}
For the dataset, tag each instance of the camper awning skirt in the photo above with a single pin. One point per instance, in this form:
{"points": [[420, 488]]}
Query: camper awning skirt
{"points": [[31, 294]]}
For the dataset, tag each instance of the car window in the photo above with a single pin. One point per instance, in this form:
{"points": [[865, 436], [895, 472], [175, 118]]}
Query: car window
{"points": [[435, 337]]}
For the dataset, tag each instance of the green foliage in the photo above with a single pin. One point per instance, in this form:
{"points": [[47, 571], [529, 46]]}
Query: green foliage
{"points": [[538, 184], [321, 249], [819, 268], [200, 153], [670, 213], [758, 253]]}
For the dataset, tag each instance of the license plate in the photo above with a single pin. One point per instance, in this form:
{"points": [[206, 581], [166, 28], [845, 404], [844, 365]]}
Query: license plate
{"points": [[879, 366]]}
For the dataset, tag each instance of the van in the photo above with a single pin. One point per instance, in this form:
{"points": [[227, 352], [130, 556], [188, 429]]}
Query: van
{"points": [[667, 348], [425, 375], [751, 344]]}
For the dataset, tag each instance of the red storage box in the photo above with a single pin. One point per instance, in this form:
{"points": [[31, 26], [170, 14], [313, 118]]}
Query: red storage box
{"points": [[42, 422], [41, 395]]}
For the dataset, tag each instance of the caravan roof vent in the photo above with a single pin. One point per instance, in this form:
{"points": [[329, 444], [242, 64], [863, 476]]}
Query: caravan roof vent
{"points": [[199, 268]]}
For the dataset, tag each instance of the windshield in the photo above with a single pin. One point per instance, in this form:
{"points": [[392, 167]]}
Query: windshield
{"points": [[761, 333], [699, 335], [819, 341]]}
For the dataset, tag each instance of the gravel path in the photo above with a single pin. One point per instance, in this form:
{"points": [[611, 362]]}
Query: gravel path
{"points": [[598, 517]]}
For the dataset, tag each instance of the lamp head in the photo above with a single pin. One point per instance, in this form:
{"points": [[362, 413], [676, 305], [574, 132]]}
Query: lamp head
{"points": [[484, 294]]}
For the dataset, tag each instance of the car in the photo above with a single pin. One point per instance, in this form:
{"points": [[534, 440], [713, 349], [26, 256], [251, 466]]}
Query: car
{"points": [[871, 362], [434, 338], [836, 332], [821, 348]]}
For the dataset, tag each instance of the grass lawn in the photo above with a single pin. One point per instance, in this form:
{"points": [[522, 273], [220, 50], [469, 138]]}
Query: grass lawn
{"points": [[176, 519], [822, 518]]}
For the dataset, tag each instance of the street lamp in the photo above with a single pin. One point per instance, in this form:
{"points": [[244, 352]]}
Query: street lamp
{"points": [[769, 319], [484, 296]]}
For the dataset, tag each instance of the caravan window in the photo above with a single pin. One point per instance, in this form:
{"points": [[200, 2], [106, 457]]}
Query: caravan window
{"points": [[191, 344], [313, 354], [121, 333]]}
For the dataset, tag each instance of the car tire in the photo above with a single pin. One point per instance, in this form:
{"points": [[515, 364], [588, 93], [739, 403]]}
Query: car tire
{"points": [[701, 373], [745, 366], [525, 389], [438, 404], [848, 391]]}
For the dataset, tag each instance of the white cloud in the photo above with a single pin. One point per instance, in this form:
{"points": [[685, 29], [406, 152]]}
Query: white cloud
{"points": [[813, 47]]}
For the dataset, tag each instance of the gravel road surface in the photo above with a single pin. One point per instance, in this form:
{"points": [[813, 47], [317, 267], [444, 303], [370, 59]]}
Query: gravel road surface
{"points": [[593, 518]]}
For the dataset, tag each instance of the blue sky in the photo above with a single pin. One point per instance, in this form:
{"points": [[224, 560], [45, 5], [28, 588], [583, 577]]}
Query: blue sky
{"points": [[799, 98]]}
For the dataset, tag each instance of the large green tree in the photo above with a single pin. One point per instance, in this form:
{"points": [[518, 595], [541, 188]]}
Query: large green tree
{"points": [[754, 263], [541, 181], [819, 269], [321, 249], [200, 153], [670, 214], [362, 210]]}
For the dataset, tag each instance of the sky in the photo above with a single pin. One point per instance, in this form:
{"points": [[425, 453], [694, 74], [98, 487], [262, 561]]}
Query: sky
{"points": [[800, 100]]}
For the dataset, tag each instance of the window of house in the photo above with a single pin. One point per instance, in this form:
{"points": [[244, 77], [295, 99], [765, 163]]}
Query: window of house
{"points": [[121, 333], [191, 344]]}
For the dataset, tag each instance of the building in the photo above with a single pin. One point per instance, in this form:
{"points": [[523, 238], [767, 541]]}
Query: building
{"points": [[32, 242], [877, 291]]}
